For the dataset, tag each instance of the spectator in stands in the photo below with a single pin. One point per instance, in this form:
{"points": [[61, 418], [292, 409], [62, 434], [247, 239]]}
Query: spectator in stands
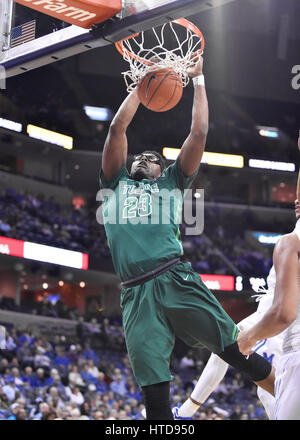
{"points": [[187, 361], [81, 331], [45, 308], [87, 377], [75, 376], [42, 342], [61, 388], [85, 408], [27, 376], [41, 360], [25, 354], [16, 377], [132, 391], [6, 376], [238, 382], [51, 415], [10, 389], [22, 414], [27, 337], [53, 398], [11, 342], [98, 415], [63, 413], [62, 360], [91, 393], [101, 385], [237, 412], [39, 380], [76, 395], [4, 364], [90, 353], [4, 403], [44, 410], [93, 369], [244, 416], [72, 355], [14, 362], [75, 412], [14, 409], [118, 385], [251, 411]]}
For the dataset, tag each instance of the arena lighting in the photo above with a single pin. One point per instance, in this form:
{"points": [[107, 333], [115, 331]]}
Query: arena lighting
{"points": [[50, 136], [11, 125], [272, 165], [43, 253], [98, 113], [270, 132], [266, 237], [170, 153], [223, 160], [49, 254], [209, 158]]}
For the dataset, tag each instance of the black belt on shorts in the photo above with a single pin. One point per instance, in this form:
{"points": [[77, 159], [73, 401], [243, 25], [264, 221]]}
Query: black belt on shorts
{"points": [[141, 279]]}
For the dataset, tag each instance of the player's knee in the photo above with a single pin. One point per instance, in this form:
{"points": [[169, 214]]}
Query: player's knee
{"points": [[143, 364], [255, 366]]}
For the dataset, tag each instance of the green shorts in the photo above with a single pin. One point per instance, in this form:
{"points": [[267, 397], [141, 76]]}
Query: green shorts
{"points": [[175, 303]]}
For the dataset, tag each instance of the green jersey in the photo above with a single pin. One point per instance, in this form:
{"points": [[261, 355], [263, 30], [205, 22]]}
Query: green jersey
{"points": [[141, 219]]}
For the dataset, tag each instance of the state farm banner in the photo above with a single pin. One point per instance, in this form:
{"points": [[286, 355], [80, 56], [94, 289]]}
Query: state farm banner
{"points": [[83, 13], [10, 246], [219, 282], [43, 253]]}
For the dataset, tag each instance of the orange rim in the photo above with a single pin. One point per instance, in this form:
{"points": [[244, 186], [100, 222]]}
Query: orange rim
{"points": [[182, 22]]}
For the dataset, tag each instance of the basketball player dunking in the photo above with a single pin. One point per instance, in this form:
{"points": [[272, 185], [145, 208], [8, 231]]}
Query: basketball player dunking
{"points": [[161, 295], [283, 315]]}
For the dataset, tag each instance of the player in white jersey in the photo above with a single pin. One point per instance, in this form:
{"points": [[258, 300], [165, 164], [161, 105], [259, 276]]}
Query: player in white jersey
{"points": [[270, 348], [216, 368], [283, 315]]}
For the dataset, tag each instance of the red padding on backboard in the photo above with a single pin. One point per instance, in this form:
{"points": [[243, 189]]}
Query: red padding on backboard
{"points": [[83, 13]]}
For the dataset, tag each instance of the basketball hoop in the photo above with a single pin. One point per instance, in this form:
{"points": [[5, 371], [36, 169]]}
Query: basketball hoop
{"points": [[177, 45]]}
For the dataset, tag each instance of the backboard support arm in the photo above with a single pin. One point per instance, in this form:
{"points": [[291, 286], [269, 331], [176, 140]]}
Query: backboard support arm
{"points": [[74, 40]]}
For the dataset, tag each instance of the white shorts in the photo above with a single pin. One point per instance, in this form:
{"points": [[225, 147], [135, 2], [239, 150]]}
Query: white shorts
{"points": [[270, 349], [287, 393]]}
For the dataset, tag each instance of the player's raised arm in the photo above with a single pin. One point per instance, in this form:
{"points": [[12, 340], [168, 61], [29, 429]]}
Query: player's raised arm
{"points": [[114, 154], [193, 148]]}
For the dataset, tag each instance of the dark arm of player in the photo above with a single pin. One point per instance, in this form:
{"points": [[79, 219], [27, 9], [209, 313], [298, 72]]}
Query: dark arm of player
{"points": [[193, 148], [286, 297], [114, 154]]}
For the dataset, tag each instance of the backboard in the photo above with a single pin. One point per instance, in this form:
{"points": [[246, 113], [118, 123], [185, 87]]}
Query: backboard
{"points": [[56, 39]]}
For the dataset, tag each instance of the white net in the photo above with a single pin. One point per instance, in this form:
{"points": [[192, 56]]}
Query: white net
{"points": [[172, 46]]}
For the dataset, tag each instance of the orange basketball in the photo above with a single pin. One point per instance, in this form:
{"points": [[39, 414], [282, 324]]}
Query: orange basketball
{"points": [[160, 90]]}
